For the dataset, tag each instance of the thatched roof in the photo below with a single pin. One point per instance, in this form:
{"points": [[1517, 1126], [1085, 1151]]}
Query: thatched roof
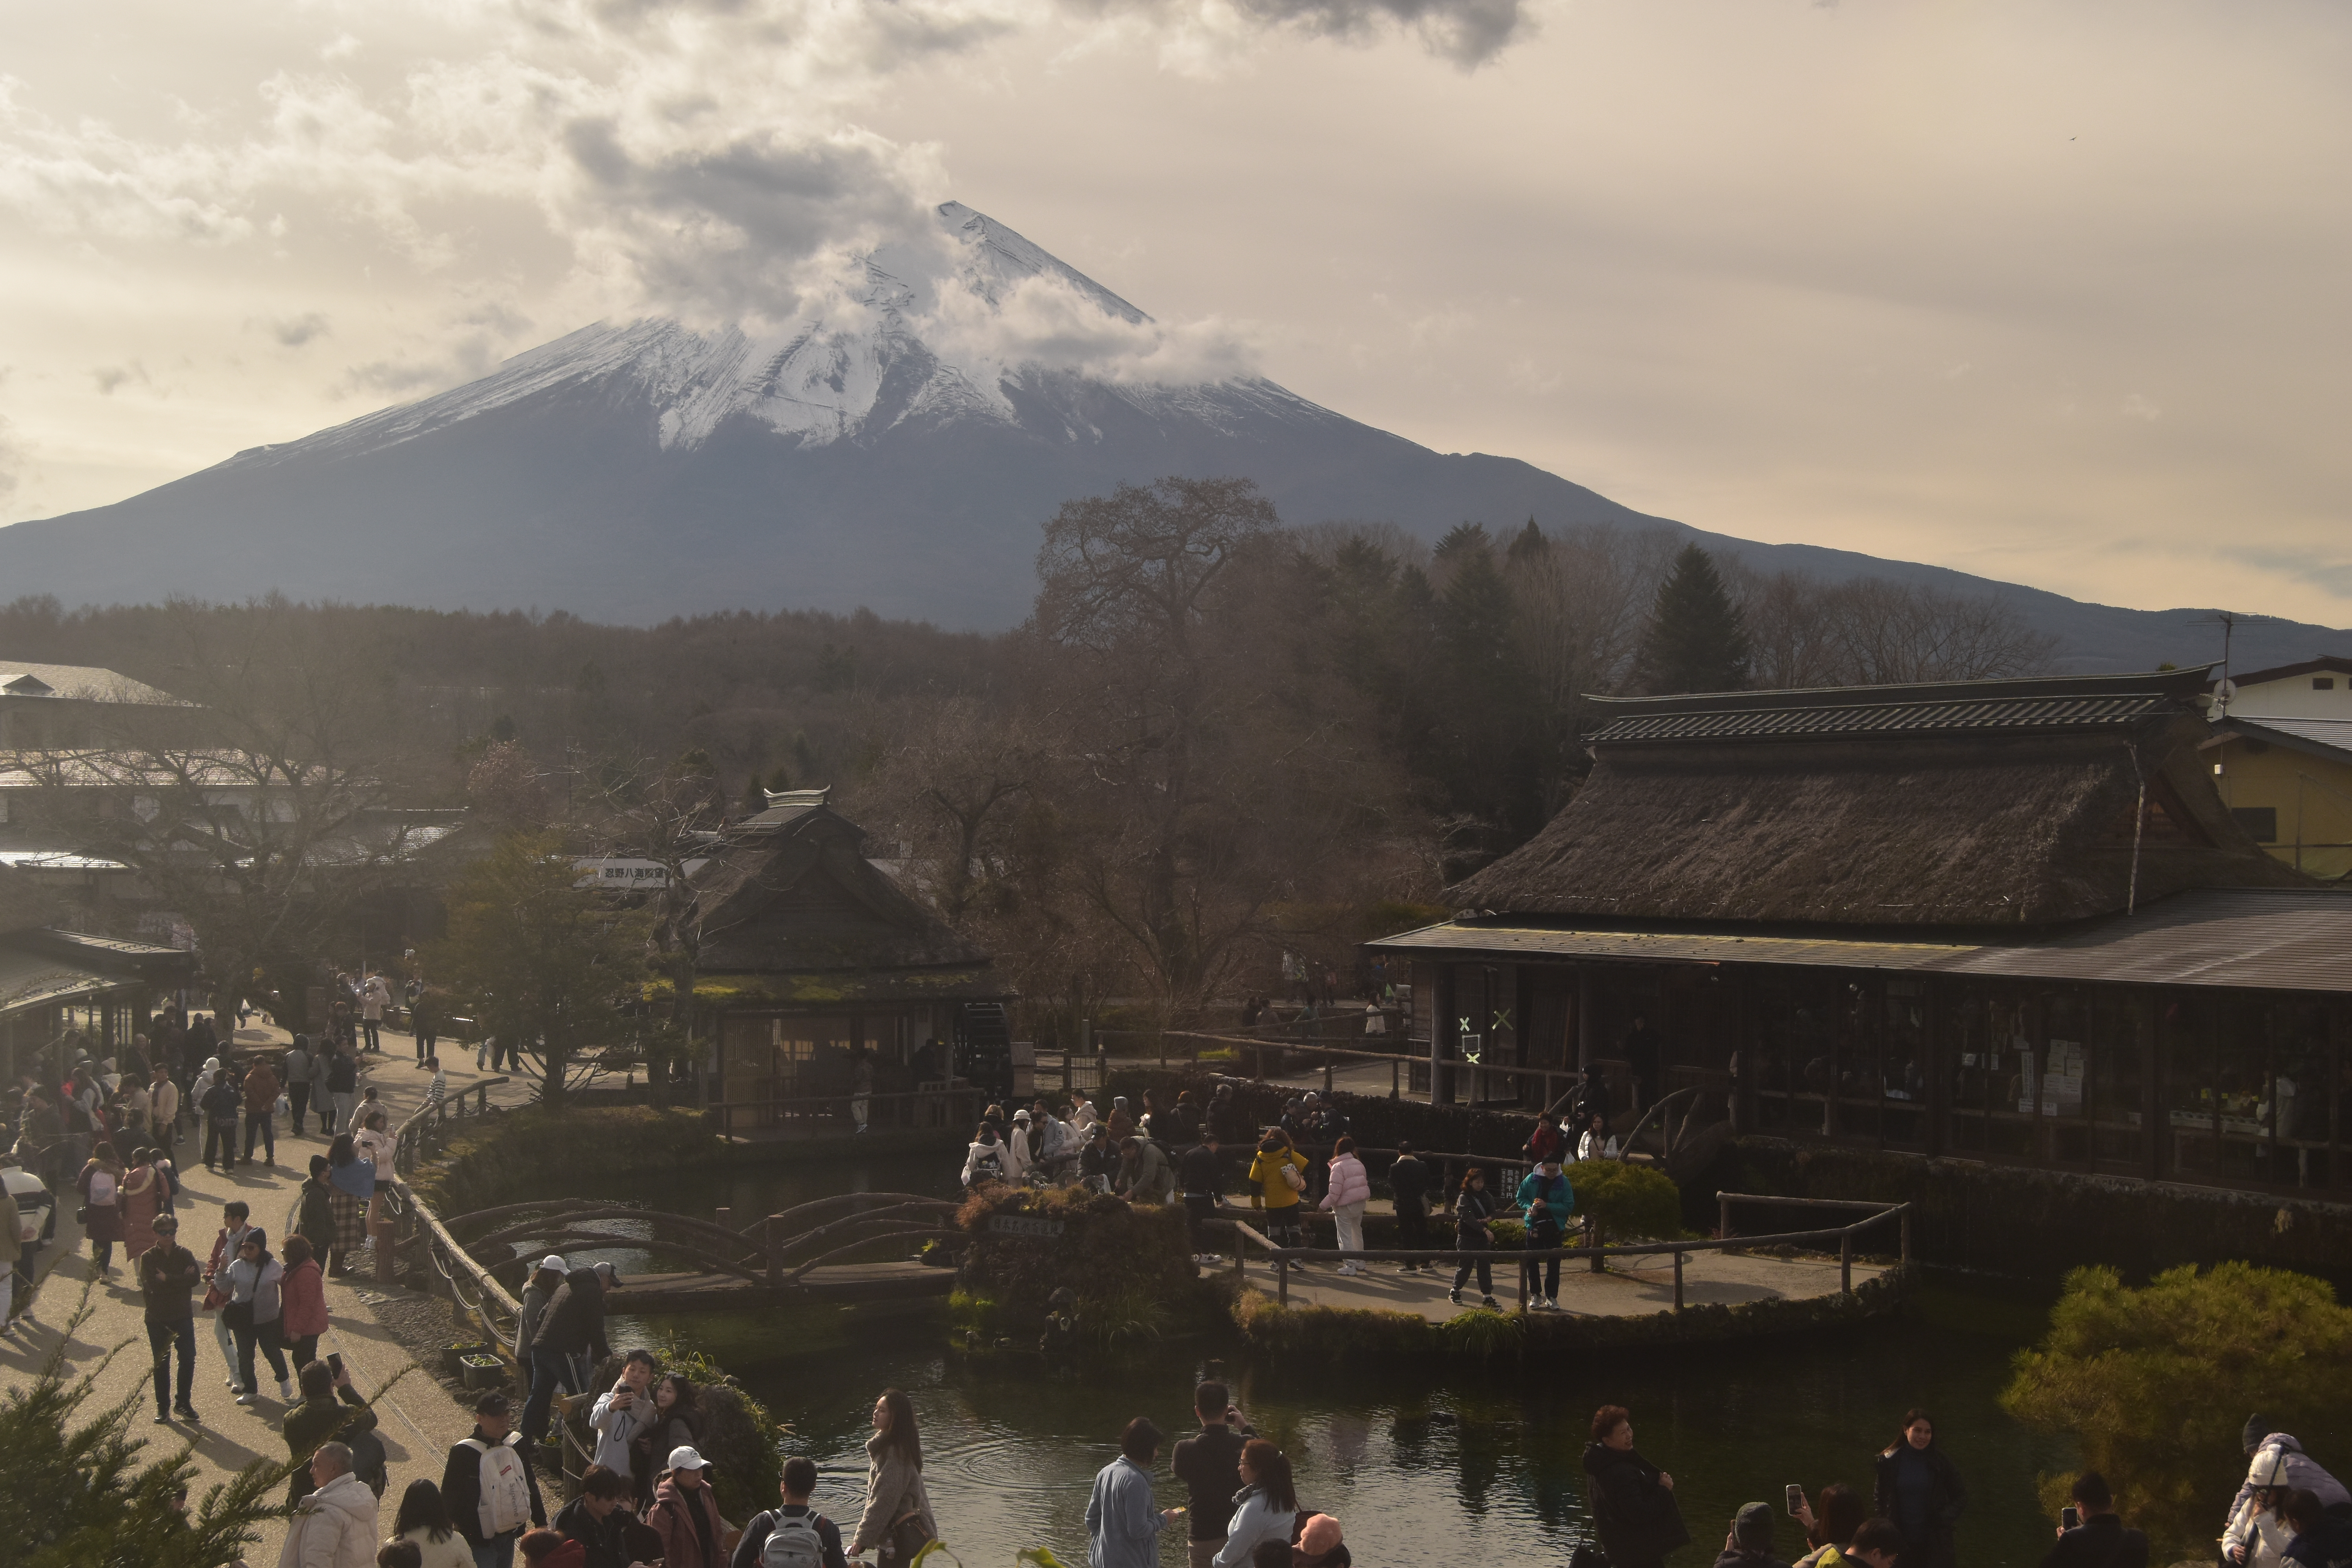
{"points": [[1990, 803], [791, 893]]}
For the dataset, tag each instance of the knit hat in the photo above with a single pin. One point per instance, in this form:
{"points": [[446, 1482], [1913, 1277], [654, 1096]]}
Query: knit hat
{"points": [[1752, 1527], [2258, 1427]]}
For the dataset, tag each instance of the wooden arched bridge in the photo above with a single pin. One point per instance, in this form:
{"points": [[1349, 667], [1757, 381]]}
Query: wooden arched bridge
{"points": [[821, 1251]]}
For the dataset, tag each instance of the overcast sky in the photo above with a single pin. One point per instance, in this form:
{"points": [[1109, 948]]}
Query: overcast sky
{"points": [[2051, 292]]}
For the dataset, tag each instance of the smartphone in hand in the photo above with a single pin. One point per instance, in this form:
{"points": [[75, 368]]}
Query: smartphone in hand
{"points": [[1796, 1496], [2070, 1517]]}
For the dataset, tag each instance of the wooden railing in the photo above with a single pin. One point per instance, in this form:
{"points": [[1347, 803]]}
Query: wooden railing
{"points": [[1283, 1257], [1556, 1083], [957, 1106]]}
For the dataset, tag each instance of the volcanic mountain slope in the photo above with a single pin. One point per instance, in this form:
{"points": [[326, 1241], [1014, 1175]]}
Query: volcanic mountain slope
{"points": [[879, 457]]}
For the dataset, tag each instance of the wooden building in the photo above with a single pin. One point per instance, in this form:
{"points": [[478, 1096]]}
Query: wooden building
{"points": [[813, 957], [2006, 921]]}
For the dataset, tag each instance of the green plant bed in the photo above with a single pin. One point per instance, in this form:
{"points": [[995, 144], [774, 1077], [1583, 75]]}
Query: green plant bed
{"points": [[1129, 1269]]}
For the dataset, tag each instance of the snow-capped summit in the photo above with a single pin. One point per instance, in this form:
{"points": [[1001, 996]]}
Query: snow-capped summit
{"points": [[917, 343], [898, 447]]}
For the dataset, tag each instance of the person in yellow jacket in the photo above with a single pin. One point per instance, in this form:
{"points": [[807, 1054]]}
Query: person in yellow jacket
{"points": [[1280, 1172]]}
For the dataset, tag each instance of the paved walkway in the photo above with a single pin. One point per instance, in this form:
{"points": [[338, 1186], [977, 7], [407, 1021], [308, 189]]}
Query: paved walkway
{"points": [[1708, 1277], [417, 1420]]}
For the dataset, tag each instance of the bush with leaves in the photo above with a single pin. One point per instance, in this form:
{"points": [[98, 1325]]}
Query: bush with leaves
{"points": [[1627, 1201], [78, 1493], [1110, 1254], [2156, 1385]]}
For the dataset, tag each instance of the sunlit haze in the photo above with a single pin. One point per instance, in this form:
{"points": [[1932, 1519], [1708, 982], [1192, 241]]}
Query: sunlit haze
{"points": [[2055, 294]]}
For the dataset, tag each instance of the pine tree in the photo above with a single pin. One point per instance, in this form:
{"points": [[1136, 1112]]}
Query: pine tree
{"points": [[1697, 640], [82, 1492]]}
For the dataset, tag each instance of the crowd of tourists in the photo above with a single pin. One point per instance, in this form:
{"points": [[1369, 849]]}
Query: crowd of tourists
{"points": [[1176, 1146], [647, 1498]]}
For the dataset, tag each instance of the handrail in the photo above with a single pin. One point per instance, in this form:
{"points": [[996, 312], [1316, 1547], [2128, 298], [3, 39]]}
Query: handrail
{"points": [[1282, 1257]]}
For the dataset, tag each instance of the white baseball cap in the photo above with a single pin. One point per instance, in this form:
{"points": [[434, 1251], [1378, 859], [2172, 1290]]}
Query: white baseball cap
{"points": [[554, 1260], [686, 1458]]}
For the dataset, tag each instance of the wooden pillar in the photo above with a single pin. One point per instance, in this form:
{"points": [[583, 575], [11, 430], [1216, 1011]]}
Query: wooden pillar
{"points": [[1907, 1238], [1846, 1262], [1723, 1228], [1679, 1280], [1282, 1281]]}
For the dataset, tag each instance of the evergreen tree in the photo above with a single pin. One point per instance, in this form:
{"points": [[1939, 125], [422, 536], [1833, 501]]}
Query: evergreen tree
{"points": [[83, 1493], [1697, 640]]}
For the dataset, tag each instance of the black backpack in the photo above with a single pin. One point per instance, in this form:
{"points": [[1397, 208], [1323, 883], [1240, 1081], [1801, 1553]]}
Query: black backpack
{"points": [[368, 1460]]}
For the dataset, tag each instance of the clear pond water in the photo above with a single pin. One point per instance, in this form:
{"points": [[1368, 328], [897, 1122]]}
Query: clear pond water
{"points": [[1421, 1465]]}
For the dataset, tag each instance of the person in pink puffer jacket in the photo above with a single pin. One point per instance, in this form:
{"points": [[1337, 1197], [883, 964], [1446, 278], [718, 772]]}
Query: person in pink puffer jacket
{"points": [[1349, 1189]]}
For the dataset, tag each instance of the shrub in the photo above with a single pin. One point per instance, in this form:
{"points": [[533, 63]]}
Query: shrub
{"points": [[1483, 1333], [1628, 1201], [1110, 1255], [2156, 1383]]}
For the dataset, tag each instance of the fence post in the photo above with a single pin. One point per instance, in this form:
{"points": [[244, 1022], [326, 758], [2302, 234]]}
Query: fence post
{"points": [[1907, 1238], [1327, 1072], [1282, 1280], [1396, 1067], [1723, 1231], [1678, 1279], [1592, 1240], [1523, 1283], [1846, 1262]]}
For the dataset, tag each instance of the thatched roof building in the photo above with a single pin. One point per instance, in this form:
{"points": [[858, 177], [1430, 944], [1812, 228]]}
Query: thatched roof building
{"points": [[821, 975], [2010, 920], [2032, 802]]}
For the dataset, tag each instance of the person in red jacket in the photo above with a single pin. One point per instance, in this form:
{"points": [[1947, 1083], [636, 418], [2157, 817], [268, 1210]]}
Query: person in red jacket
{"points": [[303, 1295], [686, 1514], [545, 1549]]}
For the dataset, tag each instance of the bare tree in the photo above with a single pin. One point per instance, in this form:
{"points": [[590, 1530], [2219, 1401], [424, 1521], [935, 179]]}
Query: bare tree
{"points": [[264, 820], [1205, 765], [668, 813], [1872, 631]]}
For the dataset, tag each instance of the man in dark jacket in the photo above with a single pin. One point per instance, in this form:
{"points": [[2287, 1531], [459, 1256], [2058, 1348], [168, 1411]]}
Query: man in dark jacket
{"points": [[2101, 1541], [1205, 1463], [2323, 1539], [597, 1520], [222, 1103], [1749, 1543], [572, 1330], [1409, 1185], [167, 1272], [1199, 1174], [461, 1481], [332, 1411]]}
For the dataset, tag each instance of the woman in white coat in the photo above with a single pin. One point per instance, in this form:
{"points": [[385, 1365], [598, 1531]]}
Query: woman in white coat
{"points": [[1267, 1507], [1350, 1190]]}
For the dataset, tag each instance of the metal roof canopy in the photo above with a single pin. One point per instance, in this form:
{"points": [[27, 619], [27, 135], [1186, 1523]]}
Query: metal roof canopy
{"points": [[2250, 938], [30, 981], [1969, 716]]}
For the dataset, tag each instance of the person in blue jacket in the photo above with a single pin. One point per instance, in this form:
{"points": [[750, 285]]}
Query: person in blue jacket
{"points": [[1547, 1200]]}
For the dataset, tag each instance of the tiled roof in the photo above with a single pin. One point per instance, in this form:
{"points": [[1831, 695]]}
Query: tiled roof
{"points": [[2036, 713]]}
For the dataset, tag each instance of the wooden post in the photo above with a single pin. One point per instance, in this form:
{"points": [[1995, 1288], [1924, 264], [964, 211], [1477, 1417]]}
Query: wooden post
{"points": [[1327, 1072], [1592, 1240], [727, 1218], [1523, 1284], [1846, 1262], [1723, 1231], [1282, 1281], [1678, 1279], [1907, 1238], [1396, 1080]]}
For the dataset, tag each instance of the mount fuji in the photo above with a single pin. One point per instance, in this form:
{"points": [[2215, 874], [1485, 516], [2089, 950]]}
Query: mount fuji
{"points": [[898, 450]]}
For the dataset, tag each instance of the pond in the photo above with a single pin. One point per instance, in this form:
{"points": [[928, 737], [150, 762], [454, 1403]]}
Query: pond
{"points": [[1419, 1466]]}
